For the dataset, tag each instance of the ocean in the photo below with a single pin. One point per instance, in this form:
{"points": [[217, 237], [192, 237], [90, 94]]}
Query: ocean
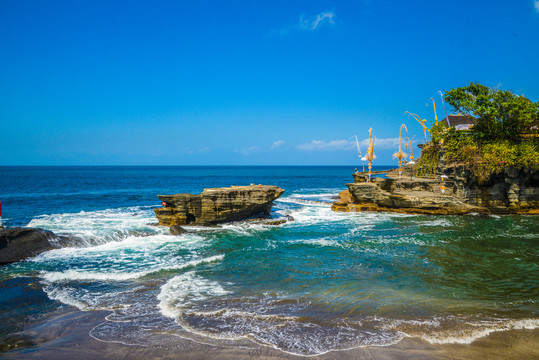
{"points": [[326, 281]]}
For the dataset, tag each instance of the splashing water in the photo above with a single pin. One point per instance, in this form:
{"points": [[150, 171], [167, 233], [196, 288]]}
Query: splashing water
{"points": [[323, 282]]}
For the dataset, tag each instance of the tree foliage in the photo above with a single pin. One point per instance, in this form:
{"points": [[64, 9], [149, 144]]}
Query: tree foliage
{"points": [[500, 113], [506, 133]]}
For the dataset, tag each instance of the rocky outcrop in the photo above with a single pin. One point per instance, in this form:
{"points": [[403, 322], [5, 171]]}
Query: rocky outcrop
{"points": [[177, 230], [20, 243], [415, 197], [513, 191], [216, 205], [510, 191]]}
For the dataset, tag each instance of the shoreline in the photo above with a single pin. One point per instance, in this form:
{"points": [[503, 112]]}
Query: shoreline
{"points": [[64, 334], [349, 280]]}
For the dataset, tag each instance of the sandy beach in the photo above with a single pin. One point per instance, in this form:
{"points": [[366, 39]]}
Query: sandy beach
{"points": [[65, 335]]}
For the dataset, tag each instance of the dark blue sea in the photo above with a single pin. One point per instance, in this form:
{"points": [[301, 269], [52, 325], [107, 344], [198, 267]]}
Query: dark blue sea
{"points": [[323, 282]]}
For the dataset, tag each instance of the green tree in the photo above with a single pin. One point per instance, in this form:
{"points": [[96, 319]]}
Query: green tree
{"points": [[500, 113]]}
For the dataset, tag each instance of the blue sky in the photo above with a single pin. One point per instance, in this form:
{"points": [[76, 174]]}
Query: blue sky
{"points": [[244, 82]]}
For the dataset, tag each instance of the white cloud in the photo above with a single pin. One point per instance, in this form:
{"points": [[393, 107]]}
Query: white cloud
{"points": [[387, 143], [322, 145], [314, 23], [197, 151], [310, 23], [536, 4], [340, 145], [276, 144], [247, 151]]}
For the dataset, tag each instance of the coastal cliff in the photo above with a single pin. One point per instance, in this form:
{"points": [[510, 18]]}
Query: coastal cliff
{"points": [[482, 160], [216, 205], [512, 191]]}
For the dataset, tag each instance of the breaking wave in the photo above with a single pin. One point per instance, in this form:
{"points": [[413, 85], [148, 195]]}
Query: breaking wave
{"points": [[312, 285]]}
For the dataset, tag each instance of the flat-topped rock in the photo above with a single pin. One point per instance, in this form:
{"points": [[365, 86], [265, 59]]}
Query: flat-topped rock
{"points": [[371, 197], [512, 191], [217, 205]]}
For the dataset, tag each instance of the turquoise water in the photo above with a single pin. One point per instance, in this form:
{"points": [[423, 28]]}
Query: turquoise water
{"points": [[323, 282]]}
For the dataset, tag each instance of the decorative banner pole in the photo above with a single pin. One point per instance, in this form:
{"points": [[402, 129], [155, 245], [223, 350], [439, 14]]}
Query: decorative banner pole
{"points": [[370, 152], [411, 162], [421, 122], [435, 116], [446, 117], [363, 159], [400, 154], [359, 154]]}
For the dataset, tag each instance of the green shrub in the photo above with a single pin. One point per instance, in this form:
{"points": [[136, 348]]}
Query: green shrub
{"points": [[438, 132], [499, 155], [459, 147], [428, 162], [506, 133], [527, 155]]}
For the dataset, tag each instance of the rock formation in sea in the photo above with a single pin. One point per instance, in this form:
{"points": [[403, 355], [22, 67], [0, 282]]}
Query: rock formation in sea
{"points": [[20, 243], [217, 205], [513, 191]]}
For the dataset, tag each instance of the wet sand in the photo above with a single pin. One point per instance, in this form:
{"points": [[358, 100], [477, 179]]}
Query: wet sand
{"points": [[64, 335]]}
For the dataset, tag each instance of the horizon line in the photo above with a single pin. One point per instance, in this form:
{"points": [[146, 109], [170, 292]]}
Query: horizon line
{"points": [[213, 165]]}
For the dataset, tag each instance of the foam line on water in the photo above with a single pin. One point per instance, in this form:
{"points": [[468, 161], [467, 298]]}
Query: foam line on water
{"points": [[289, 334], [77, 275], [131, 251], [303, 201], [65, 296], [324, 242], [101, 226], [479, 330], [184, 289], [322, 214], [453, 330]]}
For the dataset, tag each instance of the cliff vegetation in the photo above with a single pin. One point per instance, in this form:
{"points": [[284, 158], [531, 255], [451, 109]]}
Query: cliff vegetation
{"points": [[506, 133]]}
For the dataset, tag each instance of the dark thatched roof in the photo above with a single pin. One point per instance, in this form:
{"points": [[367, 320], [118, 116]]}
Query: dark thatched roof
{"points": [[455, 120]]}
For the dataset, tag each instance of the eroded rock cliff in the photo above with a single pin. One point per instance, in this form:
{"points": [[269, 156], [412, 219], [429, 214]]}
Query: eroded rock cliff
{"points": [[216, 205], [513, 191]]}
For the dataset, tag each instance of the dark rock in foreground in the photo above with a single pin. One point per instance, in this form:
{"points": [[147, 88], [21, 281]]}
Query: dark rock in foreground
{"points": [[217, 205], [20, 243]]}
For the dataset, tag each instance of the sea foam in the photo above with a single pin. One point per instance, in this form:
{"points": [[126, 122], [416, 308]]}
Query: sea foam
{"points": [[78, 275], [90, 228], [184, 289]]}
